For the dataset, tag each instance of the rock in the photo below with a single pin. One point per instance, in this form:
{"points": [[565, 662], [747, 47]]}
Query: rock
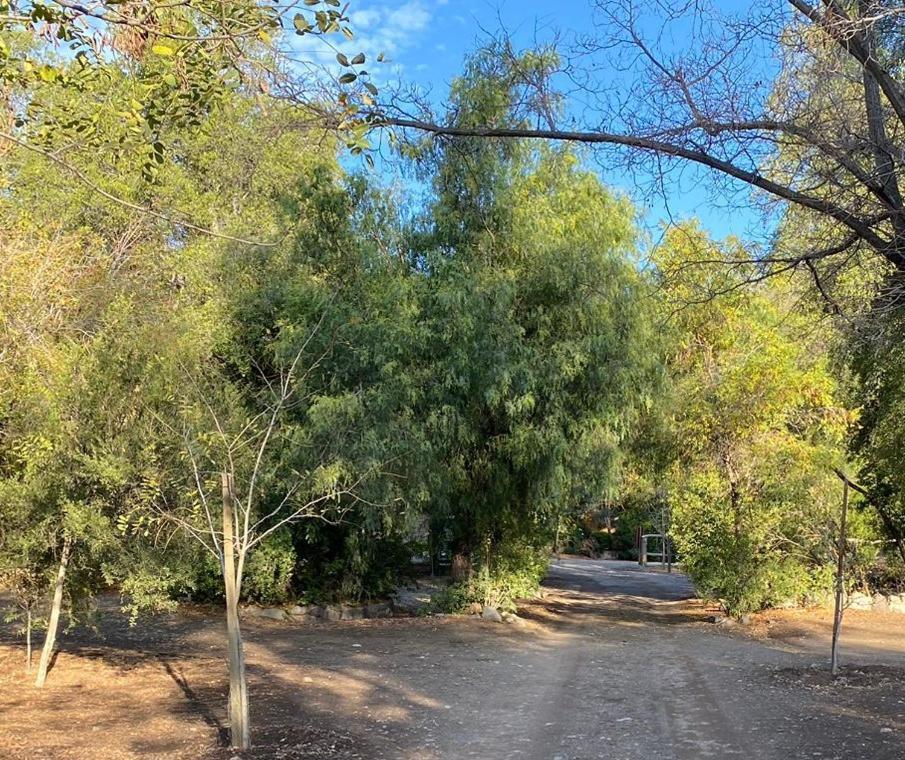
{"points": [[515, 619], [859, 601], [332, 614], [745, 620], [349, 612], [880, 603], [307, 613], [896, 603], [378, 610], [415, 600], [410, 601], [721, 620], [491, 613], [475, 608], [269, 613]]}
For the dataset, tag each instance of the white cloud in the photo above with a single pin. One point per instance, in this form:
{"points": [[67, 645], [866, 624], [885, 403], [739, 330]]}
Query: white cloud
{"points": [[398, 28], [409, 17], [364, 19], [391, 27]]}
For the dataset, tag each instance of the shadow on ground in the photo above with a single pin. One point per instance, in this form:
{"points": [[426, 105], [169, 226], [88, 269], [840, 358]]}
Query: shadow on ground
{"points": [[614, 661]]}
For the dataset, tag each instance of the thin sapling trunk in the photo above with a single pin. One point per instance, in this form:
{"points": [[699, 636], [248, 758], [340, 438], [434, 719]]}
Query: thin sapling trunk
{"points": [[840, 584], [54, 620], [239, 728], [28, 640]]}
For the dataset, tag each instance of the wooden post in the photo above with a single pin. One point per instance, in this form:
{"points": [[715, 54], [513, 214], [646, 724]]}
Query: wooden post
{"points": [[54, 622], [239, 728], [840, 583], [642, 556]]}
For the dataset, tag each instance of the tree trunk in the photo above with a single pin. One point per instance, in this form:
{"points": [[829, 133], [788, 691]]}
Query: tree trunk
{"points": [[54, 621], [28, 640], [892, 529], [239, 727], [735, 503], [840, 584], [461, 566], [735, 500]]}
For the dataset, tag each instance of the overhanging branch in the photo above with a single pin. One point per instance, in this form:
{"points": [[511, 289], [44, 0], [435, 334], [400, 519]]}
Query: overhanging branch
{"points": [[661, 147]]}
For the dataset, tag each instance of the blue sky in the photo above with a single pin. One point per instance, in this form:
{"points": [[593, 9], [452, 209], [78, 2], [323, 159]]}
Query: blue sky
{"points": [[425, 41]]}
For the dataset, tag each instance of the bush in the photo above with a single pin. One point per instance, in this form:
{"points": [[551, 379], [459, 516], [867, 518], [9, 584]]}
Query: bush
{"points": [[886, 575], [342, 565], [743, 579], [500, 583], [325, 566], [269, 570]]}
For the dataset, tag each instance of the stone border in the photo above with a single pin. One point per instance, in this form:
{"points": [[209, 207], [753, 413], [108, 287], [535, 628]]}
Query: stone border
{"points": [[877, 602], [311, 613]]}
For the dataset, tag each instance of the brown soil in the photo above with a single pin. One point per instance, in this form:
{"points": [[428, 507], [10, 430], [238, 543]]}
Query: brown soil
{"points": [[613, 662]]}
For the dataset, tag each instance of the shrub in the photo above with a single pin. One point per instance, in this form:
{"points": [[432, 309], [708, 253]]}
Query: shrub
{"points": [[269, 571], [498, 583], [341, 565]]}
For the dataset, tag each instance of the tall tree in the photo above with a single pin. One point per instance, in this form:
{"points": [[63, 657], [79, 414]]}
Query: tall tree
{"points": [[758, 428], [538, 330]]}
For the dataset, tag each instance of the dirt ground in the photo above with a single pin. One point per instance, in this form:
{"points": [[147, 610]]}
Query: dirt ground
{"points": [[615, 662]]}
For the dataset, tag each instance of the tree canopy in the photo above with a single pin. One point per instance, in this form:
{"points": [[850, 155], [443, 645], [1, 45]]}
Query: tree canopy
{"points": [[236, 365]]}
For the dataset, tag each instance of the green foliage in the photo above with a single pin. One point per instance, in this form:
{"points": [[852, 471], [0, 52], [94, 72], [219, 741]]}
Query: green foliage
{"points": [[106, 310], [336, 565], [879, 389], [105, 77], [484, 374], [269, 572], [538, 337], [758, 426], [153, 584], [500, 582]]}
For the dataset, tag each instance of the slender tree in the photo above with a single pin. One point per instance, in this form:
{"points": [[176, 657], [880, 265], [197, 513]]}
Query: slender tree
{"points": [[242, 465]]}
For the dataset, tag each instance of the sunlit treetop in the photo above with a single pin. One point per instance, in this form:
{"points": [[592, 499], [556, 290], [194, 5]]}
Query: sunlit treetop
{"points": [[167, 65]]}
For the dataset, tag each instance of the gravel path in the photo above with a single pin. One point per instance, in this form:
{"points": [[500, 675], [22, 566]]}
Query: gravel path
{"points": [[614, 662]]}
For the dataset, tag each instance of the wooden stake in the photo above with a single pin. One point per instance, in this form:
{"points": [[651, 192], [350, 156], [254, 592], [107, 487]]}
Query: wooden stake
{"points": [[840, 584]]}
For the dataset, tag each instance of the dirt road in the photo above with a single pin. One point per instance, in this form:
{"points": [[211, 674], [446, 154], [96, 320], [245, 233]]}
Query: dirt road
{"points": [[615, 662]]}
